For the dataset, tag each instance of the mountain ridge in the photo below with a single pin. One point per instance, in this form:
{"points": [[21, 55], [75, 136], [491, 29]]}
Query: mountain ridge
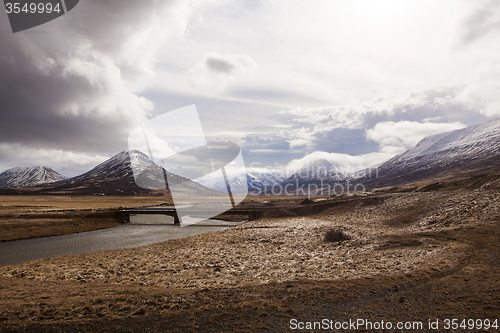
{"points": [[249, 182], [465, 152]]}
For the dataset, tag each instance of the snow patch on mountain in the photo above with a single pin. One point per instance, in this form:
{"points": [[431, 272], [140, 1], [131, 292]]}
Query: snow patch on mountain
{"points": [[467, 143], [244, 183], [119, 165]]}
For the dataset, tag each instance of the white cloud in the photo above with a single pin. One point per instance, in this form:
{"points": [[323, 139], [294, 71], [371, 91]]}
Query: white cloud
{"points": [[216, 70], [345, 163], [297, 137], [311, 122], [107, 95], [483, 96], [407, 133], [344, 116]]}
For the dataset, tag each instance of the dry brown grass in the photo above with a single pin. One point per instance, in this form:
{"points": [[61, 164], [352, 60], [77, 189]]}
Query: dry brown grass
{"points": [[29, 216], [336, 236], [33, 203], [444, 264]]}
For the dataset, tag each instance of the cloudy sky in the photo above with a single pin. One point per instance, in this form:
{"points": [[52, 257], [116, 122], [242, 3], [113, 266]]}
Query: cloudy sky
{"points": [[354, 81]]}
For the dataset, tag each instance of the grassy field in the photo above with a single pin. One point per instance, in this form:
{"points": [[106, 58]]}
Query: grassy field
{"points": [[23, 217], [409, 257]]}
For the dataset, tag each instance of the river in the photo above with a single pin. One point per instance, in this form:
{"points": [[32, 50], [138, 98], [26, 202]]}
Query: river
{"points": [[143, 230]]}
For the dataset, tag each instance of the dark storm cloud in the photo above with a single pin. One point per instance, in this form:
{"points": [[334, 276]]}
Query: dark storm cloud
{"points": [[344, 141], [36, 97], [63, 87]]}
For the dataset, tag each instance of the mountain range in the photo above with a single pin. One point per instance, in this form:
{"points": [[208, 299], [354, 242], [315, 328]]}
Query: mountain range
{"points": [[116, 177], [253, 182], [315, 174], [465, 152]]}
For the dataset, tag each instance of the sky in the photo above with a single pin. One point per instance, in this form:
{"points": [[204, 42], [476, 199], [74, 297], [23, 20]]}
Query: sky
{"points": [[355, 82]]}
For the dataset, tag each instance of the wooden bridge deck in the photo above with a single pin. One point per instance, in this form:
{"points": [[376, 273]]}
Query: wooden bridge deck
{"points": [[253, 213]]}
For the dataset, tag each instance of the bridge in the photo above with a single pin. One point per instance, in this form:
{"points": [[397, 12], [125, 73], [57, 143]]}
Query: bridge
{"points": [[253, 213]]}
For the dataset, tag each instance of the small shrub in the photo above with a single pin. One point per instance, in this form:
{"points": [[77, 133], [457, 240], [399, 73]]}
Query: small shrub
{"points": [[336, 236]]}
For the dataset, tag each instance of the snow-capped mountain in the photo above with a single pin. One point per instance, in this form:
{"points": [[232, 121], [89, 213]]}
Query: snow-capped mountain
{"points": [[29, 176], [318, 173], [465, 152], [236, 184], [319, 169], [246, 183], [122, 165], [121, 168], [263, 181], [118, 175]]}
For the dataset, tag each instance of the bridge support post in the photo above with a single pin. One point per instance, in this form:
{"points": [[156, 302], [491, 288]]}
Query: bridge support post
{"points": [[124, 217], [254, 215], [176, 219]]}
